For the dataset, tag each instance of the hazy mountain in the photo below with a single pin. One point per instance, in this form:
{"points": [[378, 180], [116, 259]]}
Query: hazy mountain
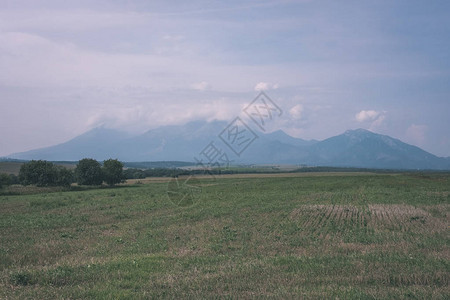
{"points": [[165, 143], [181, 142], [282, 137], [99, 142], [362, 148], [354, 148]]}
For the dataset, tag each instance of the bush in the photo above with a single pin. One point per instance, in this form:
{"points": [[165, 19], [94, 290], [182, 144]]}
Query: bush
{"points": [[21, 278]]}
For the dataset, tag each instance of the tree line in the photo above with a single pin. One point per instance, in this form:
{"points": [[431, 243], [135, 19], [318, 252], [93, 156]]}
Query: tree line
{"points": [[6, 179], [134, 173], [87, 172]]}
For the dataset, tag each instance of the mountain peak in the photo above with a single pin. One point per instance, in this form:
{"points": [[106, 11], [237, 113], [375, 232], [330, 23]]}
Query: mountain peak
{"points": [[353, 148], [103, 132], [358, 131]]}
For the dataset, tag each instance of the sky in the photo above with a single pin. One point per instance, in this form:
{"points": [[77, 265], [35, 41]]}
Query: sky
{"points": [[69, 66]]}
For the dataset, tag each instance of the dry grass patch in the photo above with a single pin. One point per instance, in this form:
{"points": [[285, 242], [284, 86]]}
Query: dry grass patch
{"points": [[379, 217]]}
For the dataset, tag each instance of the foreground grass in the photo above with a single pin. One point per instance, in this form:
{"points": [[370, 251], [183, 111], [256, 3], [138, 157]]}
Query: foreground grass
{"points": [[345, 236]]}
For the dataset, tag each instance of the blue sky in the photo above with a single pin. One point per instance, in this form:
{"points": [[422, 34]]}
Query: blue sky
{"points": [[135, 65]]}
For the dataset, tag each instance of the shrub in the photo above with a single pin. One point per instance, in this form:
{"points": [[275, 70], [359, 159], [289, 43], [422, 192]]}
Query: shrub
{"points": [[21, 278]]}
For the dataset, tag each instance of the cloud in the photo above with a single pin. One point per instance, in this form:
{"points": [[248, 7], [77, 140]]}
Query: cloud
{"points": [[375, 118], [265, 86], [296, 111], [377, 123], [417, 134], [367, 115], [33, 60], [201, 86], [137, 116], [127, 63]]}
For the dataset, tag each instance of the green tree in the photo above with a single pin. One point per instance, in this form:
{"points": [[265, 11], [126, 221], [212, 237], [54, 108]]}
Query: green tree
{"points": [[89, 172], [5, 179], [38, 172], [65, 176], [112, 171], [14, 179]]}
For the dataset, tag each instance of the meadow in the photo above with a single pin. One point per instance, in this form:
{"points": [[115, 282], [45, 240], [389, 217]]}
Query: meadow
{"points": [[310, 235]]}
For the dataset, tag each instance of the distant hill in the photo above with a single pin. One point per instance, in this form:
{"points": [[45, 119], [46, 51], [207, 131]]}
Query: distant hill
{"points": [[355, 148], [362, 148], [98, 142]]}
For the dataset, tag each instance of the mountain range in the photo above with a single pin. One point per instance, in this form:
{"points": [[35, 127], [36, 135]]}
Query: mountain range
{"points": [[354, 148]]}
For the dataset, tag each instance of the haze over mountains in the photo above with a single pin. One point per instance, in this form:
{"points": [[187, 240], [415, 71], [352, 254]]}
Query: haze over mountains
{"points": [[354, 148]]}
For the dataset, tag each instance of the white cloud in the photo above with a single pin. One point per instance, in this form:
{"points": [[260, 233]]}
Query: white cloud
{"points": [[201, 86], [296, 111], [149, 60], [373, 117], [377, 122], [265, 86], [137, 115], [32, 60], [367, 115]]}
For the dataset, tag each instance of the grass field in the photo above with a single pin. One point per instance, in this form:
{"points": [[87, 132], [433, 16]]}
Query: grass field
{"points": [[299, 236]]}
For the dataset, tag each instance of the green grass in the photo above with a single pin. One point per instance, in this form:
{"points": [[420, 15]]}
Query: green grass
{"points": [[357, 236]]}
